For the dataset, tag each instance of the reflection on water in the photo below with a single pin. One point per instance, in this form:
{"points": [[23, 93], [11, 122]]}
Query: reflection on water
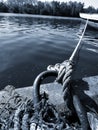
{"points": [[28, 45]]}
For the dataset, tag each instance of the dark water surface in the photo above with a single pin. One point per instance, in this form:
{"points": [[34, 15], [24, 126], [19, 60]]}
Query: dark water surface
{"points": [[28, 45]]}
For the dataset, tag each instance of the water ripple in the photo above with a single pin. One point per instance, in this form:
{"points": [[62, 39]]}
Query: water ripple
{"points": [[29, 44]]}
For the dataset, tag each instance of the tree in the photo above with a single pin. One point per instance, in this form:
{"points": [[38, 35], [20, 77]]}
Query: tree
{"points": [[55, 8], [3, 7], [90, 9]]}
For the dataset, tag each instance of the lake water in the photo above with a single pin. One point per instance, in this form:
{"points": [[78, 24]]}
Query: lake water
{"points": [[28, 44]]}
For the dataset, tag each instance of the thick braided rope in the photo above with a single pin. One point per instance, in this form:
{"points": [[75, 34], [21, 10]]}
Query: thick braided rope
{"points": [[64, 70], [65, 74]]}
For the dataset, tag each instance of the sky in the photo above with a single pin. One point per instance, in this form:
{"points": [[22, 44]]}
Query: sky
{"points": [[87, 3]]}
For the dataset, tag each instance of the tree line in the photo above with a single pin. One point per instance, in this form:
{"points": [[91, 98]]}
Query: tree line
{"points": [[53, 8]]}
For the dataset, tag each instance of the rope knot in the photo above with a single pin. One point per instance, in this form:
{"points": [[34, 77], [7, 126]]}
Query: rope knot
{"points": [[65, 71]]}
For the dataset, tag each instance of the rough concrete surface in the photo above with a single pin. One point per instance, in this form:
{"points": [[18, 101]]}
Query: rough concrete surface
{"points": [[86, 89]]}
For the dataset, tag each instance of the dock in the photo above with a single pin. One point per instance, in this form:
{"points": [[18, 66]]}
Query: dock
{"points": [[86, 89]]}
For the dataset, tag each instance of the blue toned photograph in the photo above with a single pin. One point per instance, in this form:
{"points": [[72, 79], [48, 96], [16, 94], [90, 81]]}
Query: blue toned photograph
{"points": [[48, 65]]}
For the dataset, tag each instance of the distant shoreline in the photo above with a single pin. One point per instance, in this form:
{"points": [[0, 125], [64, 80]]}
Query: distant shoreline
{"points": [[39, 16]]}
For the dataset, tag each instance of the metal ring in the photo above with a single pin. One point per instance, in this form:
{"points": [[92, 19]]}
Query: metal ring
{"points": [[38, 81]]}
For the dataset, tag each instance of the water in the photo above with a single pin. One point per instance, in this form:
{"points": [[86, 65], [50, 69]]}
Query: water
{"points": [[29, 44]]}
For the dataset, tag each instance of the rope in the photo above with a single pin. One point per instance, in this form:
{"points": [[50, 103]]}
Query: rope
{"points": [[65, 76], [65, 73], [78, 45]]}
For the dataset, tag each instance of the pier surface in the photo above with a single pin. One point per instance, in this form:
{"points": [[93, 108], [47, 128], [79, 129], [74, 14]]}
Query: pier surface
{"points": [[86, 89]]}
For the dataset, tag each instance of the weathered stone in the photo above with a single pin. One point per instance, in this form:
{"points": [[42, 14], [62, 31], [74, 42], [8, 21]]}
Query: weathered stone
{"points": [[86, 89]]}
